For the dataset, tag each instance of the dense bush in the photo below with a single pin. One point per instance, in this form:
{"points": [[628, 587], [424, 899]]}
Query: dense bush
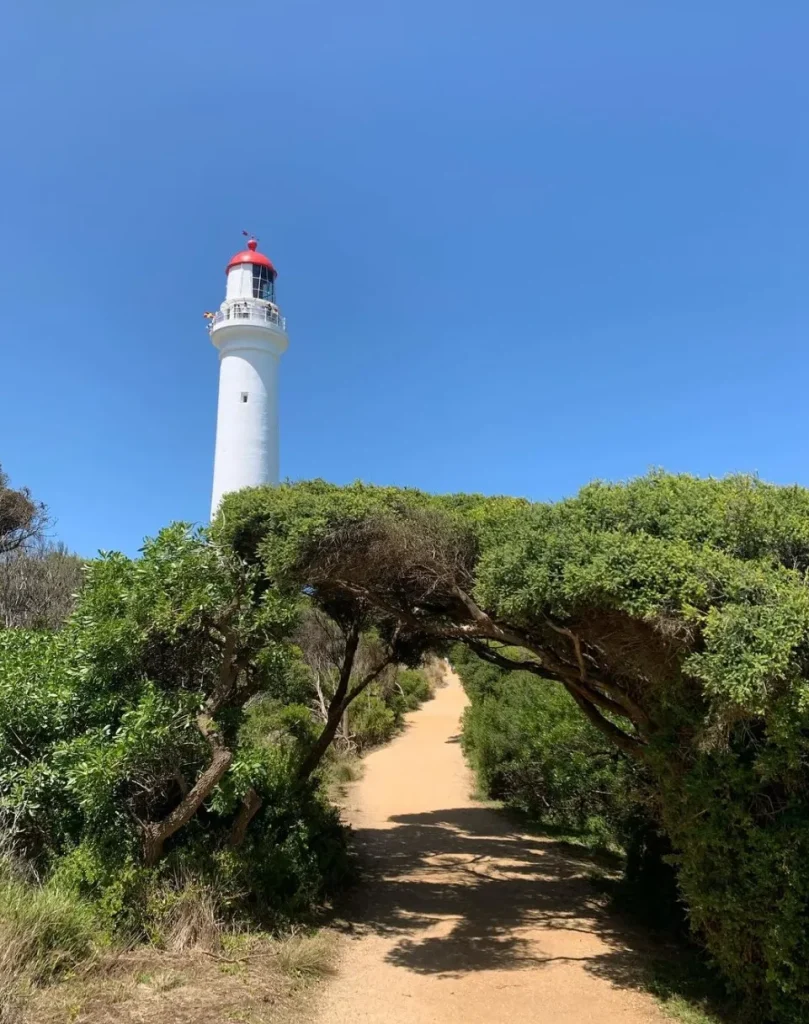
{"points": [[371, 721], [160, 736], [378, 713], [412, 688], [673, 611], [129, 750], [531, 747]]}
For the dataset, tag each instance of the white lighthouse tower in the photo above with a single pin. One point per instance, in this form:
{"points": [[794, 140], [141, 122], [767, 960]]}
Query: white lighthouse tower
{"points": [[250, 334]]}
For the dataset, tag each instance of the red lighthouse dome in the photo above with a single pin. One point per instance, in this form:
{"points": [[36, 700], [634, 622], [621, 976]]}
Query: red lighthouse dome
{"points": [[250, 255]]}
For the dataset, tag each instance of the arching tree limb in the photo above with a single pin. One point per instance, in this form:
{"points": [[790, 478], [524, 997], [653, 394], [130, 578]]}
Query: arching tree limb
{"points": [[595, 691], [557, 675], [628, 707], [627, 743]]}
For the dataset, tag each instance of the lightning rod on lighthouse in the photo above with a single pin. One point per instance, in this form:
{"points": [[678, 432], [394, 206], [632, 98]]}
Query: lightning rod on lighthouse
{"points": [[250, 334]]}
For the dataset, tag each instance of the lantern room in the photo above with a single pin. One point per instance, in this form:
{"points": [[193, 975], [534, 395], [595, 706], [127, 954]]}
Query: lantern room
{"points": [[251, 275]]}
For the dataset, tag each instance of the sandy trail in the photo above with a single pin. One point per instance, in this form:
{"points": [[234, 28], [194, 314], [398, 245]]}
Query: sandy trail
{"points": [[463, 919]]}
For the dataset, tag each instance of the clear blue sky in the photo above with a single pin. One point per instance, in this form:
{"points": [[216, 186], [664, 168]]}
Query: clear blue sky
{"points": [[521, 245]]}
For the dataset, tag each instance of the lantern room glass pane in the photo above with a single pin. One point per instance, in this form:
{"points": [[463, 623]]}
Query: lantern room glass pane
{"points": [[263, 284]]}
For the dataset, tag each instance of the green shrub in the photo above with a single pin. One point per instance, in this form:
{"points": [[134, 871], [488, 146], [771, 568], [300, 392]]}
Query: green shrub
{"points": [[379, 712], [409, 691], [295, 856], [530, 747], [371, 721], [269, 724], [172, 674], [415, 687]]}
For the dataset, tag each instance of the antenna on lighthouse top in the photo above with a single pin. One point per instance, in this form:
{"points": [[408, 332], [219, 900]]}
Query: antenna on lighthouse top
{"points": [[253, 243]]}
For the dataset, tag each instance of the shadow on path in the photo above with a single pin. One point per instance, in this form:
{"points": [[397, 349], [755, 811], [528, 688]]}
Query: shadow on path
{"points": [[458, 890]]}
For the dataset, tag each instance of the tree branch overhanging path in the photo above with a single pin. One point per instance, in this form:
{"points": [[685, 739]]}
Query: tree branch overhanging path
{"points": [[415, 571]]}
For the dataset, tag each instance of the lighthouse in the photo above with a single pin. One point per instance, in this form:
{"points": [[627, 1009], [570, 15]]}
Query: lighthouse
{"points": [[250, 334]]}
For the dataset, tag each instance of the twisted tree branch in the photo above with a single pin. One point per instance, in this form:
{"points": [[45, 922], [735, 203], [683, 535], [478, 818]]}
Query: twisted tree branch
{"points": [[155, 833]]}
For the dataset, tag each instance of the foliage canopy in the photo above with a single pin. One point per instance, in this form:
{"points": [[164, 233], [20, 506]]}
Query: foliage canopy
{"points": [[674, 612]]}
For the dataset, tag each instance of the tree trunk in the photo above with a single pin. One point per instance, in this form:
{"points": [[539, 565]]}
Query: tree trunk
{"points": [[251, 805], [322, 743], [155, 833], [336, 712]]}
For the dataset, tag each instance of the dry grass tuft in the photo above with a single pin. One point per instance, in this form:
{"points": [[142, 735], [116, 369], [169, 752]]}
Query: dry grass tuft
{"points": [[12, 999], [307, 956], [56, 965], [345, 768], [164, 981], [147, 985], [191, 920]]}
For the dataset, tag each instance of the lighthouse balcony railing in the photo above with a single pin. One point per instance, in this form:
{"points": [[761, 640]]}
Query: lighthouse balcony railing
{"points": [[249, 311]]}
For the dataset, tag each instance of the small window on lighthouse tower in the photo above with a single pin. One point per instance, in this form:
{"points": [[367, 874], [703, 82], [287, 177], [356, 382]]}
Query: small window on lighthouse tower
{"points": [[244, 396]]}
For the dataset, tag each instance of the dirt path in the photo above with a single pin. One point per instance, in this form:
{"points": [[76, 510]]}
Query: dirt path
{"points": [[462, 919]]}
